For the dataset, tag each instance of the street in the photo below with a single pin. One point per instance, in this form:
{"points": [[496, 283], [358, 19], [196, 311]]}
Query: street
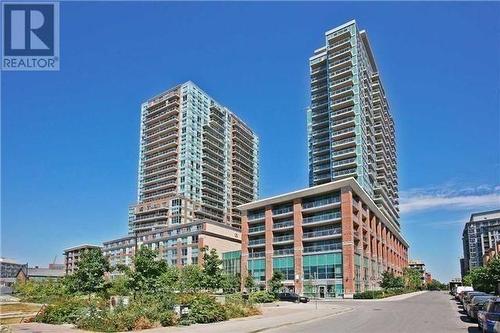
{"points": [[427, 312]]}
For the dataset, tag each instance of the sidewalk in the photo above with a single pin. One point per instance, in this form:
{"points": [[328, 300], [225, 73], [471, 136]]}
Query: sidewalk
{"points": [[273, 317]]}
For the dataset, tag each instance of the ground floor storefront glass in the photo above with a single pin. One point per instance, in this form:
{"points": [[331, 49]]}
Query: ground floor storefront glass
{"points": [[323, 275]]}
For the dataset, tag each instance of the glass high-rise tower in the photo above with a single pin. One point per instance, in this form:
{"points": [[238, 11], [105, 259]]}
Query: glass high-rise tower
{"points": [[350, 128], [197, 160]]}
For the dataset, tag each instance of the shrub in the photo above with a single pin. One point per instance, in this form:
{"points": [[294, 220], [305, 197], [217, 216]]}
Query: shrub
{"points": [[169, 318], [236, 307], [63, 311], [261, 297], [45, 291], [203, 308], [142, 323]]}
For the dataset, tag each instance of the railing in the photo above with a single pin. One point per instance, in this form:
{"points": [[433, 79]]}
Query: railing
{"points": [[340, 142], [344, 172], [283, 210], [342, 41], [257, 241], [344, 151], [339, 61], [283, 224], [257, 229], [342, 131], [256, 254], [322, 217], [343, 99], [283, 252], [343, 121], [342, 70], [342, 162], [320, 202], [256, 216], [344, 79], [323, 248], [334, 54], [282, 238], [327, 232]]}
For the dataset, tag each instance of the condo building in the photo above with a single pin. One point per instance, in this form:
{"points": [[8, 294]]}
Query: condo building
{"points": [[72, 256], [350, 128], [481, 233], [329, 240], [197, 160]]}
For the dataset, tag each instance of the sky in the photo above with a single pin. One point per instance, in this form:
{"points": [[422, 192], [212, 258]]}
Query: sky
{"points": [[70, 139]]}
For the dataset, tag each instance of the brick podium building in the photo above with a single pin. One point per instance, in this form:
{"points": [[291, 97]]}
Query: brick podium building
{"points": [[329, 240]]}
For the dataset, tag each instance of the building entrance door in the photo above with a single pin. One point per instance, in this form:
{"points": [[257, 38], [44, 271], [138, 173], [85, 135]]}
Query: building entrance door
{"points": [[321, 291]]}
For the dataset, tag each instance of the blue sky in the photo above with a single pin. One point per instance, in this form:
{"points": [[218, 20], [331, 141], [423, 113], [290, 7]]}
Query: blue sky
{"points": [[70, 138]]}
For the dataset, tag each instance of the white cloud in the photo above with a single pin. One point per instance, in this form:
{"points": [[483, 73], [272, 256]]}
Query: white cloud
{"points": [[450, 197]]}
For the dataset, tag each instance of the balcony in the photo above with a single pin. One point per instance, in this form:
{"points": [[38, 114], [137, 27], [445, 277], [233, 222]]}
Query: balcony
{"points": [[323, 248], [259, 254], [346, 172], [283, 225], [283, 239], [256, 217], [349, 161], [320, 203], [283, 252], [343, 132], [257, 242], [329, 217], [257, 229], [282, 211], [322, 233]]}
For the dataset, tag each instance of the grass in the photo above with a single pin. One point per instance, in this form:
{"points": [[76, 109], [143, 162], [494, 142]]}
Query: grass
{"points": [[13, 313]]}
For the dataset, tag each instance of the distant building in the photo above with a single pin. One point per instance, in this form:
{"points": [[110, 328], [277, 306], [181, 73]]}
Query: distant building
{"points": [[72, 256], [178, 245], [38, 274], [427, 278], [418, 265], [481, 233], [10, 267], [462, 267]]}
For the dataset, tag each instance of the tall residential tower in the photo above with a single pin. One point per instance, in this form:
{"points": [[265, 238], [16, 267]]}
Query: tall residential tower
{"points": [[197, 160], [350, 129]]}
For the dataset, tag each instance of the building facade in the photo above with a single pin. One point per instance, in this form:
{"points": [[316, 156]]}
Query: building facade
{"points": [[197, 160], [419, 266], [350, 129], [329, 240], [73, 255], [178, 245], [481, 233]]}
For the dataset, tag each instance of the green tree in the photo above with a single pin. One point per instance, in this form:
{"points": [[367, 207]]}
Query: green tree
{"points": [[170, 279], [147, 268], [89, 277], [276, 282], [249, 282], [212, 269], [412, 278], [494, 273], [391, 281], [231, 283], [119, 286], [191, 278]]}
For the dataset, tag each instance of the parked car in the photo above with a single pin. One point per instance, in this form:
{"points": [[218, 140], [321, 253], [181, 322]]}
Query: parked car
{"points": [[292, 297], [477, 303], [468, 297], [461, 289], [488, 318]]}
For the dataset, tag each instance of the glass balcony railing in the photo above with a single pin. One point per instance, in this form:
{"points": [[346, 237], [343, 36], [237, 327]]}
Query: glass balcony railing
{"points": [[283, 210], [256, 229], [283, 252], [283, 224], [321, 218], [257, 241], [282, 238], [320, 202], [345, 172], [323, 248], [322, 233], [257, 254], [256, 216]]}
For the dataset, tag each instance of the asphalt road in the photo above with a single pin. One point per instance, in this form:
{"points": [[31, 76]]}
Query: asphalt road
{"points": [[429, 312]]}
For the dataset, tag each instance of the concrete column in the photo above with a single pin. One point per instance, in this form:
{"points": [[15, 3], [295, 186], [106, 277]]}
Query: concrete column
{"points": [[269, 243], [297, 245], [347, 242]]}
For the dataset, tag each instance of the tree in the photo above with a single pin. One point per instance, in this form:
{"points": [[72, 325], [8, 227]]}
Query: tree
{"points": [[412, 278], [249, 282], [212, 269], [191, 278], [144, 278], [89, 278], [276, 282], [391, 281], [231, 282]]}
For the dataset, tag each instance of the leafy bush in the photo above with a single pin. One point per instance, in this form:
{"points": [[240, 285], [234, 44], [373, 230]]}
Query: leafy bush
{"points": [[236, 307], [203, 308], [261, 296], [63, 311], [45, 291], [169, 318], [375, 294]]}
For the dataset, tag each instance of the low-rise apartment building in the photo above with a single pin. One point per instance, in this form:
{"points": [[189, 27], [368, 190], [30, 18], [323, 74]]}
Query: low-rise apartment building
{"points": [[178, 245], [329, 240], [418, 265], [72, 256]]}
